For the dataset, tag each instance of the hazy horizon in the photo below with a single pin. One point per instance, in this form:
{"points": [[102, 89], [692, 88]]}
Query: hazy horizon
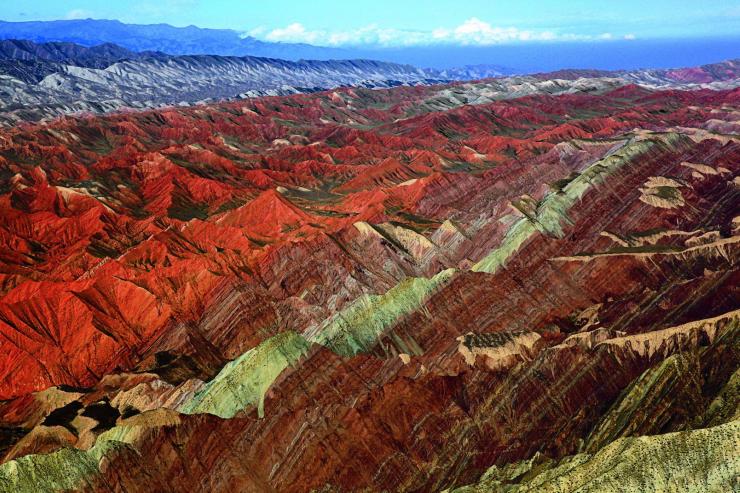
{"points": [[518, 56], [385, 23], [522, 36]]}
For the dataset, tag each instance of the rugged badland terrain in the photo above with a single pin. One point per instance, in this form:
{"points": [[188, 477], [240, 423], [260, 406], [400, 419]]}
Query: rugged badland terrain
{"points": [[526, 284], [44, 80], [38, 81]]}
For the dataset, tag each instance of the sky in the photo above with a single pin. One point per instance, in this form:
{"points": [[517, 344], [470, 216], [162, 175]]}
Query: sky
{"points": [[397, 23]]}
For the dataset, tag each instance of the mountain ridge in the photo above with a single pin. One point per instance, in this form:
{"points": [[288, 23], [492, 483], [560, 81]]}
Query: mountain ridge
{"points": [[517, 57], [190, 40], [41, 81]]}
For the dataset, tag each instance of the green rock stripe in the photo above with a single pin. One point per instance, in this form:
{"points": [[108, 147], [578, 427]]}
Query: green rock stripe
{"points": [[244, 381], [356, 328], [553, 210]]}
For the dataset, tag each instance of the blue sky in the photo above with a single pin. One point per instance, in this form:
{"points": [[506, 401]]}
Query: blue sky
{"points": [[412, 22]]}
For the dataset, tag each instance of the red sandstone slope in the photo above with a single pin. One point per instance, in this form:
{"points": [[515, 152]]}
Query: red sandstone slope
{"points": [[141, 252]]}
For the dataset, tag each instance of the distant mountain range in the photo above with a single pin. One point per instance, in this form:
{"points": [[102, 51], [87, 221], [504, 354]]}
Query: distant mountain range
{"points": [[474, 72], [74, 54], [30, 62], [189, 40], [39, 80], [42, 80], [723, 74], [504, 59]]}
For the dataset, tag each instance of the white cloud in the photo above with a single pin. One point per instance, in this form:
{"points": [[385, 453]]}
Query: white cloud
{"points": [[296, 33], [78, 14], [477, 32], [472, 32], [256, 32], [630, 36]]}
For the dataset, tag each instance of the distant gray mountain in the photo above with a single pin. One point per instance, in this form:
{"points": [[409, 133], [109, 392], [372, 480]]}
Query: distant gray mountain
{"points": [[475, 72], [30, 62], [48, 79], [40, 80], [70, 53], [189, 40], [518, 57]]}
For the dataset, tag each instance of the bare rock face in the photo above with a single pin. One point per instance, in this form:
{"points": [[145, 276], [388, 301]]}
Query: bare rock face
{"points": [[515, 285], [498, 350], [642, 464]]}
